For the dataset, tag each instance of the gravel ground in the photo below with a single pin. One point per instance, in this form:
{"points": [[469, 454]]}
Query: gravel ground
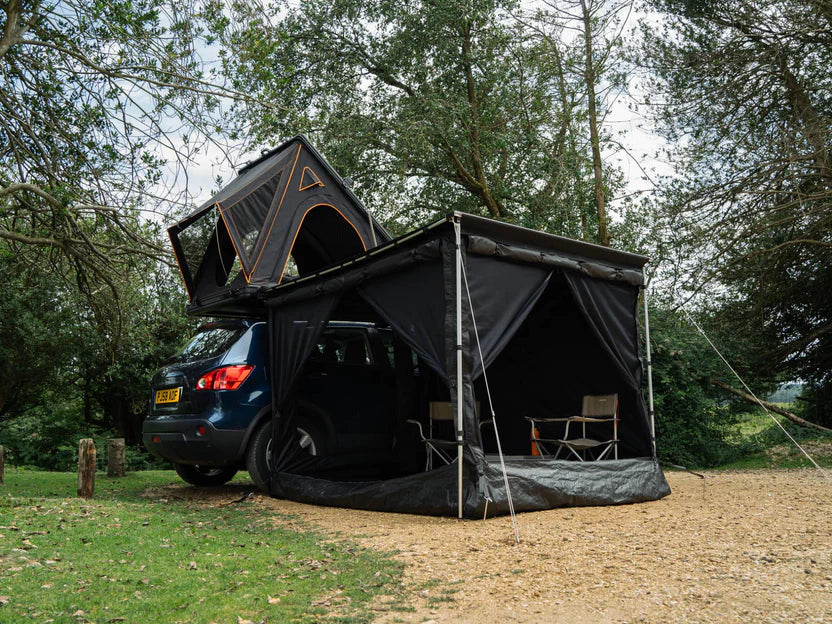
{"points": [[751, 546]]}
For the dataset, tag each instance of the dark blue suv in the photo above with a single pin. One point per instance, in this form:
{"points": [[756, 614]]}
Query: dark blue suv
{"points": [[210, 407]]}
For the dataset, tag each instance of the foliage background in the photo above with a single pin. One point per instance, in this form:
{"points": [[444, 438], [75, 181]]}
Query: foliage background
{"points": [[495, 107]]}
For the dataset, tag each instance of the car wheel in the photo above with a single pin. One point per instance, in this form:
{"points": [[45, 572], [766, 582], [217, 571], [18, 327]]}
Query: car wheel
{"points": [[205, 475], [259, 453]]}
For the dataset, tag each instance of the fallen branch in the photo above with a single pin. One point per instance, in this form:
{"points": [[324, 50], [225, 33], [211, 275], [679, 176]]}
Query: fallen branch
{"points": [[769, 406]]}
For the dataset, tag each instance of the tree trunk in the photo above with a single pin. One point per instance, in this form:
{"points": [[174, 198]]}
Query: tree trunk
{"points": [[595, 141], [115, 457], [86, 468], [769, 406], [2, 463], [492, 204]]}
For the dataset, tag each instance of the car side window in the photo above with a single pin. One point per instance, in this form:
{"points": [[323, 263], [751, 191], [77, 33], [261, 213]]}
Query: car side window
{"points": [[385, 336], [343, 346]]}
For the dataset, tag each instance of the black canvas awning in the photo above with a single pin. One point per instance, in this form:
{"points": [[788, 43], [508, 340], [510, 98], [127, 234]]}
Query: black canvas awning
{"points": [[555, 321]]}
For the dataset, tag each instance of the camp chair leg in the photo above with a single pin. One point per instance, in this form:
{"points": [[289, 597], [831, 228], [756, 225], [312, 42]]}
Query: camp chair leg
{"points": [[574, 452], [605, 451]]}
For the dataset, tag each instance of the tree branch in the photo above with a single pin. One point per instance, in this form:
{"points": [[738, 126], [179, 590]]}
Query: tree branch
{"points": [[769, 406]]}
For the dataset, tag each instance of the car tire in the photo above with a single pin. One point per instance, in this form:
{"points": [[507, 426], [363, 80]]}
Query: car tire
{"points": [[258, 454], [209, 476]]}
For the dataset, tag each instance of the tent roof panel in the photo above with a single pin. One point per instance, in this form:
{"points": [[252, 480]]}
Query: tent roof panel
{"points": [[506, 234], [533, 239]]}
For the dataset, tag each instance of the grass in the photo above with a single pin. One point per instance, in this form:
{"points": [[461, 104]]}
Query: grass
{"points": [[766, 446], [133, 555]]}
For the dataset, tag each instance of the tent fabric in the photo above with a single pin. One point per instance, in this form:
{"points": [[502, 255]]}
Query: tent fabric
{"points": [[497, 318], [535, 484], [416, 314], [611, 311], [288, 205], [353, 274], [486, 247], [412, 286], [296, 329]]}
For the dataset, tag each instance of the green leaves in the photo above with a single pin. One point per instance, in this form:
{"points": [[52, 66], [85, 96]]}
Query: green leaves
{"points": [[428, 107], [745, 99]]}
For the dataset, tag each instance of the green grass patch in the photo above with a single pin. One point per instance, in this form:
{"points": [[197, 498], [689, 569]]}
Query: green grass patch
{"points": [[764, 445], [133, 554]]}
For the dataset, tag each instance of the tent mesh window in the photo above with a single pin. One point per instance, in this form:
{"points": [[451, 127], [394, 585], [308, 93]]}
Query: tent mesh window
{"points": [[250, 215], [195, 240]]}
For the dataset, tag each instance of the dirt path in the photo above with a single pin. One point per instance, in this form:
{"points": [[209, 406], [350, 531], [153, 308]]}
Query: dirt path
{"points": [[736, 547]]}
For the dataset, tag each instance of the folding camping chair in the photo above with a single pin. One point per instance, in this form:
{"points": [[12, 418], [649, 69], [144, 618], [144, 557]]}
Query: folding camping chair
{"points": [[444, 449], [595, 409], [439, 411]]}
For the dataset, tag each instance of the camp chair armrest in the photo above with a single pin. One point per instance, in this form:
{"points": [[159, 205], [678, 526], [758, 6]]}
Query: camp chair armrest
{"points": [[532, 419], [418, 424], [440, 442], [589, 419]]}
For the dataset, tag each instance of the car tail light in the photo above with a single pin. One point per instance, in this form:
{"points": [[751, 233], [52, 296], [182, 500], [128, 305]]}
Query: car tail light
{"points": [[206, 381], [225, 378]]}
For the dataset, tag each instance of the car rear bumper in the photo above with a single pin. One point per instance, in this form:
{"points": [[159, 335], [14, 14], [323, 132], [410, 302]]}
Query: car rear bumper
{"points": [[180, 441]]}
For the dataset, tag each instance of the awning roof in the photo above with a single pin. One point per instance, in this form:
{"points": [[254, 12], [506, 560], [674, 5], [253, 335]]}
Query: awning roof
{"points": [[488, 237]]}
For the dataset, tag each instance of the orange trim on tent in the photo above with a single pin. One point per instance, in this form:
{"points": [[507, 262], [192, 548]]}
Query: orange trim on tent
{"points": [[300, 226], [317, 181], [277, 212]]}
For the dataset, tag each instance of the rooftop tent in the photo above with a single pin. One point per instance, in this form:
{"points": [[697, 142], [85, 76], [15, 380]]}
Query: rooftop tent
{"points": [[287, 212], [547, 319]]}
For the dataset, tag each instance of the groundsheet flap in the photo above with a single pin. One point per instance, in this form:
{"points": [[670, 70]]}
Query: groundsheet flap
{"points": [[536, 484]]}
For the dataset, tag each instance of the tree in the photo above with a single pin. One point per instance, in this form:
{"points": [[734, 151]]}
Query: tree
{"points": [[35, 333], [429, 106], [102, 103], [63, 352], [97, 100], [742, 91], [595, 27]]}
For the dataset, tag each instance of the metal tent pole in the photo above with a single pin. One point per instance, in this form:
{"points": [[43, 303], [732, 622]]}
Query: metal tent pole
{"points": [[459, 393], [649, 373]]}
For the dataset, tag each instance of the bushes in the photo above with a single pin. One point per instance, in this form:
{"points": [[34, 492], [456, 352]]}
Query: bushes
{"points": [[693, 426], [46, 436]]}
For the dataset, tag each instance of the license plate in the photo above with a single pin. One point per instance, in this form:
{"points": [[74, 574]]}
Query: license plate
{"points": [[169, 395]]}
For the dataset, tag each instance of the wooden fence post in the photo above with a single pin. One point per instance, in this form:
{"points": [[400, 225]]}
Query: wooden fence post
{"points": [[86, 468], [115, 457], [2, 463]]}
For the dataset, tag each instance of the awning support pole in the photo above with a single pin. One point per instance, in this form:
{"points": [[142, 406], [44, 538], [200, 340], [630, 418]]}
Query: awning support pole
{"points": [[649, 371], [459, 394]]}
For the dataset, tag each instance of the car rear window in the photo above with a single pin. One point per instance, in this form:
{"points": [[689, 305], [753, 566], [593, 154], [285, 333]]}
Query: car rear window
{"points": [[343, 346], [209, 343]]}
